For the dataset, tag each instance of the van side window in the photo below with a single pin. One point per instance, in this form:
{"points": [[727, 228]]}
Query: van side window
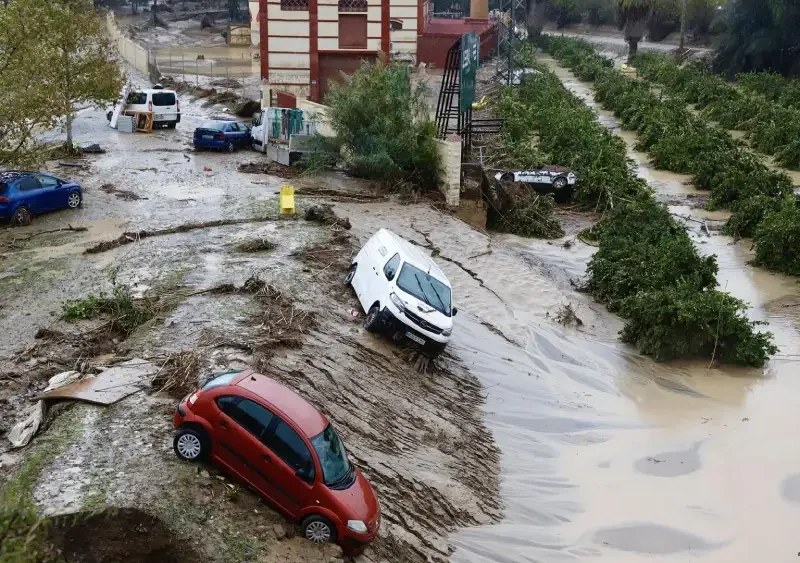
{"points": [[390, 269], [137, 98]]}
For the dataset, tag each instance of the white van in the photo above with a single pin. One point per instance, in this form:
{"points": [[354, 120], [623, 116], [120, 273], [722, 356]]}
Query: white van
{"points": [[403, 292], [163, 103]]}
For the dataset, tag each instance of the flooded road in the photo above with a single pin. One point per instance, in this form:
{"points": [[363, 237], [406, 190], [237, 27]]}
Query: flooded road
{"points": [[608, 456], [603, 454]]}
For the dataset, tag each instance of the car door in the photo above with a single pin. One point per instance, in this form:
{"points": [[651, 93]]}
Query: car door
{"points": [[52, 191], [235, 134], [292, 468], [242, 425], [32, 195]]}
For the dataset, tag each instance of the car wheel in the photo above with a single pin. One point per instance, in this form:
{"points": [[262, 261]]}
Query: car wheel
{"points": [[318, 529], [190, 444], [231, 147], [171, 124], [22, 216], [74, 200], [109, 115], [560, 183], [351, 273], [373, 320], [507, 177]]}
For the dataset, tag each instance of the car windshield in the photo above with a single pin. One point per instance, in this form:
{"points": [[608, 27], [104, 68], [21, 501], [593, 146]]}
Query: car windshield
{"points": [[220, 379], [163, 99], [425, 288], [215, 125], [332, 456]]}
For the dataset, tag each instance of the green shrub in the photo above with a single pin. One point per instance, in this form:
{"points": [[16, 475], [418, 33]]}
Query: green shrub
{"points": [[124, 312], [23, 533], [748, 213], [679, 321], [383, 125], [777, 239], [643, 248]]}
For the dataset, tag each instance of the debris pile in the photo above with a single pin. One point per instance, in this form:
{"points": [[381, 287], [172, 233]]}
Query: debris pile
{"points": [[324, 214], [272, 168]]}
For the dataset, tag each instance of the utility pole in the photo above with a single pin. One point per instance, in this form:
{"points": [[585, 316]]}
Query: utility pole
{"points": [[683, 27]]}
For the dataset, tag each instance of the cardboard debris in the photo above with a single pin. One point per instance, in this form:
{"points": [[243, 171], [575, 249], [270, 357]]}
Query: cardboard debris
{"points": [[114, 384], [23, 432]]}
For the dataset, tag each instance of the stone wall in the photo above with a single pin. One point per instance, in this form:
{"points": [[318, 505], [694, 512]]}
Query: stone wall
{"points": [[450, 175]]}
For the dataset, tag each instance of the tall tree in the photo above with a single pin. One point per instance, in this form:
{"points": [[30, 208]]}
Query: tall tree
{"points": [[83, 68], [534, 20], [633, 18], [26, 101], [761, 35]]}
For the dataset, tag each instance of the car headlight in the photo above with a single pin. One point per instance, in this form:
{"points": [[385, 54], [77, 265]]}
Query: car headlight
{"points": [[397, 301], [357, 526], [447, 331]]}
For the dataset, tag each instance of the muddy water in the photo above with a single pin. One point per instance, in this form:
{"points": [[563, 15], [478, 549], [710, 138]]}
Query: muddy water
{"points": [[607, 455]]}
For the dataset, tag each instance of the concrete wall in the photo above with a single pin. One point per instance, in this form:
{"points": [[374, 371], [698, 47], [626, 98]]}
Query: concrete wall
{"points": [[450, 174], [255, 24], [136, 55], [404, 41]]}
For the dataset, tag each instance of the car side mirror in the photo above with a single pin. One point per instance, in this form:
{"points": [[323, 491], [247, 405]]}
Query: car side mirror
{"points": [[455, 311]]}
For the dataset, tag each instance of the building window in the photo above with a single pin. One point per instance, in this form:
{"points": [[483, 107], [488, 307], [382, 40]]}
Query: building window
{"points": [[395, 25], [352, 5], [352, 31], [294, 5]]}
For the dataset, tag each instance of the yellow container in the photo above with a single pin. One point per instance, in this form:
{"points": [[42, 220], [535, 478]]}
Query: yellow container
{"points": [[287, 200]]}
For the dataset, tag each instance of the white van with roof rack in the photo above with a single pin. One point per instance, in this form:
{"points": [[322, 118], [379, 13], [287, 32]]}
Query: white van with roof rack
{"points": [[403, 292]]}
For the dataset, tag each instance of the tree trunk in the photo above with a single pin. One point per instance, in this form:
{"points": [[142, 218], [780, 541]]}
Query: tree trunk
{"points": [[535, 18], [69, 131], [634, 31]]}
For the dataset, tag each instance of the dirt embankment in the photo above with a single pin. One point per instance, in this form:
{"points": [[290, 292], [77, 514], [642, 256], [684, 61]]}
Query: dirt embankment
{"points": [[418, 436]]}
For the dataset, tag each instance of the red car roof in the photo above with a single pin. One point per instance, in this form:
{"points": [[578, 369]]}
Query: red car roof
{"points": [[310, 421]]}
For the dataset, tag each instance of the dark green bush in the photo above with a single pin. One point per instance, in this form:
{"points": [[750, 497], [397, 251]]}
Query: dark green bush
{"points": [[384, 127], [680, 320], [777, 239]]}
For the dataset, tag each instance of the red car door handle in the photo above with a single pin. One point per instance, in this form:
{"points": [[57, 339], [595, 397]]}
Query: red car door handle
{"points": [[223, 424], [267, 458]]}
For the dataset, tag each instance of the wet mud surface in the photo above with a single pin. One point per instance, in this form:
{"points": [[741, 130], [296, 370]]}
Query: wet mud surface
{"points": [[527, 441]]}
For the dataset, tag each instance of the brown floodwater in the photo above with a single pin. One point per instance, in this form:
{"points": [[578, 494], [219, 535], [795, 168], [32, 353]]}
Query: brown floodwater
{"points": [[609, 456]]}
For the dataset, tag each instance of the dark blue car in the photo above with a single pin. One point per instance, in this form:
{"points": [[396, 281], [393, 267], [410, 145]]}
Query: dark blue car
{"points": [[222, 135], [24, 194]]}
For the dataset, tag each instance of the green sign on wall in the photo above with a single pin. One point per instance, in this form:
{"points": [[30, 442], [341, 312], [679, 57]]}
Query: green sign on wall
{"points": [[470, 45]]}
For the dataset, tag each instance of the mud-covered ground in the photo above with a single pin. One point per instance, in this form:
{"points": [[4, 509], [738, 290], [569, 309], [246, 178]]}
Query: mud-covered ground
{"points": [[534, 438]]}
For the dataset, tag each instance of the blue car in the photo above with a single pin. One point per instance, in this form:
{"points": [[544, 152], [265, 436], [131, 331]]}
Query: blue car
{"points": [[25, 194], [222, 135]]}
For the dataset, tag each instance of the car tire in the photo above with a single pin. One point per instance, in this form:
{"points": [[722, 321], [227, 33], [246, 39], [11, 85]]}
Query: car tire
{"points": [[22, 216], [109, 115], [74, 200], [172, 124], [318, 529], [560, 183], [372, 322], [231, 147], [191, 444], [351, 273], [507, 177]]}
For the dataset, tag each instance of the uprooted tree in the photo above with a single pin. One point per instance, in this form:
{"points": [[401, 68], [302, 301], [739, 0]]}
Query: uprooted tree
{"points": [[45, 75], [383, 126]]}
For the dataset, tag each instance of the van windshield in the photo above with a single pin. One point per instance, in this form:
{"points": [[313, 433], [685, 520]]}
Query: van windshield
{"points": [[163, 99], [425, 288]]}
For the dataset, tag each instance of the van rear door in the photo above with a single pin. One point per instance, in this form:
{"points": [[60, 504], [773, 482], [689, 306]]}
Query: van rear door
{"points": [[165, 105]]}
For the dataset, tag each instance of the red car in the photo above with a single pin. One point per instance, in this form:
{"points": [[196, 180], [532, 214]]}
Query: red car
{"points": [[274, 440]]}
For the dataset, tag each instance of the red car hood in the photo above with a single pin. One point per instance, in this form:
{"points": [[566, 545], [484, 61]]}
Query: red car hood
{"points": [[361, 501]]}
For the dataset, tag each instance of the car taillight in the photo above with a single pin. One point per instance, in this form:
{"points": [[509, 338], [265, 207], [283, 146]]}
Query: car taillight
{"points": [[219, 136], [4, 199], [192, 398], [178, 106], [149, 106]]}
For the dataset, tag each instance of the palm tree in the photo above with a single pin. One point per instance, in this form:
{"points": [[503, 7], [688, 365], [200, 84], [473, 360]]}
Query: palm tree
{"points": [[633, 16], [535, 18]]}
